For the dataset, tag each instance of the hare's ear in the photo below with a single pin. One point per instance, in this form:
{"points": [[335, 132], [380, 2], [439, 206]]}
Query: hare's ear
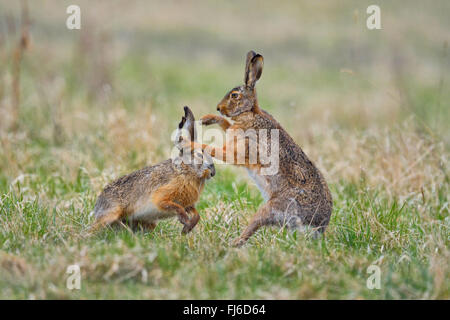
{"points": [[253, 69], [250, 56], [186, 127], [189, 124]]}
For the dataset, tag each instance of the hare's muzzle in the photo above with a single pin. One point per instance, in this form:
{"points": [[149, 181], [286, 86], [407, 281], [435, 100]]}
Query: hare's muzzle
{"points": [[222, 110], [212, 169], [221, 107]]}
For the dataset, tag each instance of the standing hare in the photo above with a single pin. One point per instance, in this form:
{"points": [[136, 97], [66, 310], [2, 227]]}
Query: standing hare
{"points": [[170, 188], [297, 195]]}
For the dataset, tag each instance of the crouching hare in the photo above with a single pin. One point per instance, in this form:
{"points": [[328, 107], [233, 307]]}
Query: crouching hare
{"points": [[297, 195], [170, 188]]}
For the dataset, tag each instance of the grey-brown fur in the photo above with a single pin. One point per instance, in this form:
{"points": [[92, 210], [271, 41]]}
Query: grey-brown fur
{"points": [[297, 178], [297, 196], [169, 188], [128, 189]]}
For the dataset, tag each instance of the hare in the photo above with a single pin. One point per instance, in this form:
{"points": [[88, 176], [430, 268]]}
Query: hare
{"points": [[170, 188], [297, 196]]}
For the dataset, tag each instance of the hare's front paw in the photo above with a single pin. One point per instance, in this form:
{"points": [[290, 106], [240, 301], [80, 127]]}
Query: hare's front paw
{"points": [[183, 219], [239, 242], [191, 224], [210, 119], [187, 228]]}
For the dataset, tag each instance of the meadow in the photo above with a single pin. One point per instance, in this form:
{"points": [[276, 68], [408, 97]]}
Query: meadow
{"points": [[80, 108]]}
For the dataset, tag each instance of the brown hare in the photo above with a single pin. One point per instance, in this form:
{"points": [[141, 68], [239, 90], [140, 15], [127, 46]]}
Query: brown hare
{"points": [[170, 188], [297, 196]]}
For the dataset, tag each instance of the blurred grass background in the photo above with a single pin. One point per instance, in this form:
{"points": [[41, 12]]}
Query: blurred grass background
{"points": [[82, 107]]}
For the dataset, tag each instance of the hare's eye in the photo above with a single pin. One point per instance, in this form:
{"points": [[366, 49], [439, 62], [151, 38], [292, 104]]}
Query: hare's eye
{"points": [[234, 95]]}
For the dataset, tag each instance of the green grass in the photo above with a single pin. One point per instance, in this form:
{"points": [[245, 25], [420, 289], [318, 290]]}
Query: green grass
{"points": [[370, 109], [366, 228]]}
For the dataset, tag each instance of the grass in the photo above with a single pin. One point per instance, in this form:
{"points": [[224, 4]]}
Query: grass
{"points": [[101, 103], [39, 242]]}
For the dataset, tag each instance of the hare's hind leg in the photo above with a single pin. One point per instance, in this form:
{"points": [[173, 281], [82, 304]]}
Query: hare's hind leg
{"points": [[263, 217], [106, 218]]}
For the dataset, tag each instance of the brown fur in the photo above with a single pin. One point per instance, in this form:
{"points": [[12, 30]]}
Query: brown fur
{"points": [[297, 196], [170, 188]]}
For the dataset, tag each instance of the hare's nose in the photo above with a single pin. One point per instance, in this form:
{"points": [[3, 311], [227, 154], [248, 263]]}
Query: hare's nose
{"points": [[218, 109], [213, 170]]}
